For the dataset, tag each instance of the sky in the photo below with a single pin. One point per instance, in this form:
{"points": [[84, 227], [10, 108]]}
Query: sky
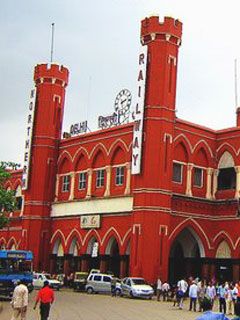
{"points": [[98, 41]]}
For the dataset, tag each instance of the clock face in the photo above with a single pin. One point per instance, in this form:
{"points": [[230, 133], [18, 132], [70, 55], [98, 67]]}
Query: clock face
{"points": [[123, 101]]}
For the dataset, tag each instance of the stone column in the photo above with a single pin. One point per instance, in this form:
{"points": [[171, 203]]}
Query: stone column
{"points": [[57, 187], [108, 181], [237, 193], [123, 266], [205, 271], [89, 183], [128, 179], [104, 263], [235, 272], [85, 262], [189, 180], [71, 196], [209, 183], [52, 267], [212, 271], [66, 264], [215, 182]]}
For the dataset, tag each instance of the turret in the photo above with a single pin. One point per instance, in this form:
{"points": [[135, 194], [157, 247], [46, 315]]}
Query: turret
{"points": [[51, 81], [152, 186], [163, 40]]}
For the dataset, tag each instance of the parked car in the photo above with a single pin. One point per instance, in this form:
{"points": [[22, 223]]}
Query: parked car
{"points": [[80, 281], [94, 271], [60, 277], [39, 278], [101, 282], [136, 287]]}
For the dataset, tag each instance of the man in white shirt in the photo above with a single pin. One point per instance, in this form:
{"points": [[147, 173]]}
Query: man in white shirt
{"points": [[165, 290], [159, 288], [193, 291], [182, 285], [19, 301]]}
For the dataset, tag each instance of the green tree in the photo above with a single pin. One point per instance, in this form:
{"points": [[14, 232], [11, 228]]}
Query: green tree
{"points": [[7, 197]]}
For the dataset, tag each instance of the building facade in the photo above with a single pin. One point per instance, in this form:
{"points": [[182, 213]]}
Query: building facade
{"points": [[82, 207]]}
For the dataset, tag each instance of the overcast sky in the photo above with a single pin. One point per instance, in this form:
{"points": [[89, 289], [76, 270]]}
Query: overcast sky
{"points": [[99, 43]]}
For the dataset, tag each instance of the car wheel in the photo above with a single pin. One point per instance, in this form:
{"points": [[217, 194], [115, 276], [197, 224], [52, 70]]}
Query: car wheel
{"points": [[89, 290]]}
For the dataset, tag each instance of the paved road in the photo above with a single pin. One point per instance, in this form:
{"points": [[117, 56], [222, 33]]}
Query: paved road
{"points": [[81, 306]]}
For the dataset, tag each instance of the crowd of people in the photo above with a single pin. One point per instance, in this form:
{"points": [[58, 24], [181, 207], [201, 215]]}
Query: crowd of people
{"points": [[202, 295]]}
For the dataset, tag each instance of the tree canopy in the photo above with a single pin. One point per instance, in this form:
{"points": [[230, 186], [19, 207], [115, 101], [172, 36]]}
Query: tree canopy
{"points": [[7, 197]]}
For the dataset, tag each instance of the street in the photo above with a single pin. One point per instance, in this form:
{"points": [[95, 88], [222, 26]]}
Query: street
{"points": [[82, 306]]}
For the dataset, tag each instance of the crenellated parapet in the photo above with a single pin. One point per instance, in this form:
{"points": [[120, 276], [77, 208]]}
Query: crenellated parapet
{"points": [[168, 30], [51, 73]]}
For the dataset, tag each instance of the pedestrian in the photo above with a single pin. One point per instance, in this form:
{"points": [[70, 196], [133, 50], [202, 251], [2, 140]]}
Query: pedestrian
{"points": [[182, 285], [221, 293], [45, 297], [175, 296], [165, 291], [20, 301], [201, 294], [159, 288], [113, 286], [235, 293], [193, 290], [237, 311], [211, 292], [229, 299], [207, 312]]}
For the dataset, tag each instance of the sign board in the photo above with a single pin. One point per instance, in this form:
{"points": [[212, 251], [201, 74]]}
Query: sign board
{"points": [[28, 140], [138, 112], [16, 255], [90, 222], [77, 128]]}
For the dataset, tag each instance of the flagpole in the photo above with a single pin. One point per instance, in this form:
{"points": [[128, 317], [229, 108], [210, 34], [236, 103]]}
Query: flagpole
{"points": [[52, 42]]}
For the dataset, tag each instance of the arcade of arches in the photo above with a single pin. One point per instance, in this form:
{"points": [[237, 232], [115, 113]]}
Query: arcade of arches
{"points": [[187, 258], [111, 261]]}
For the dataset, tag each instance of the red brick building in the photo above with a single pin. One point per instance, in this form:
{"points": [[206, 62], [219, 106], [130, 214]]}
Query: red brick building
{"points": [[83, 207]]}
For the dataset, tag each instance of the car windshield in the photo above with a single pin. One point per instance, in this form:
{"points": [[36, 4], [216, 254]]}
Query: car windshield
{"points": [[138, 281]]}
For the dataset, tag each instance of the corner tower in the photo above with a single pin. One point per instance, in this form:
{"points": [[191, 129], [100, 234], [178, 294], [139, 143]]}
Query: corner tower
{"points": [[152, 187], [50, 81]]}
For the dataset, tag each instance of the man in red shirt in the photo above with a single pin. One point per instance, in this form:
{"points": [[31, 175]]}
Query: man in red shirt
{"points": [[45, 297]]}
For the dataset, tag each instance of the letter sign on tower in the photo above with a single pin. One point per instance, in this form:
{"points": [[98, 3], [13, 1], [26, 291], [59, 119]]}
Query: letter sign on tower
{"points": [[138, 112], [28, 140]]}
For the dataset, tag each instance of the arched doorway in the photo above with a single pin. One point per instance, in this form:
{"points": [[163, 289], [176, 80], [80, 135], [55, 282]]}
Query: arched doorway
{"points": [[58, 252], [74, 258], [185, 256], [93, 252], [112, 251], [224, 268]]}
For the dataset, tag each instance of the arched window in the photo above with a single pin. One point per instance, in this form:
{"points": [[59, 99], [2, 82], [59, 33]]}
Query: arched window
{"points": [[18, 195], [223, 250], [227, 173]]}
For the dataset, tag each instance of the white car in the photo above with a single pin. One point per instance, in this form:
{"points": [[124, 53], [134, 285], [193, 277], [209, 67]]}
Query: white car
{"points": [[39, 278], [136, 287], [100, 282]]}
